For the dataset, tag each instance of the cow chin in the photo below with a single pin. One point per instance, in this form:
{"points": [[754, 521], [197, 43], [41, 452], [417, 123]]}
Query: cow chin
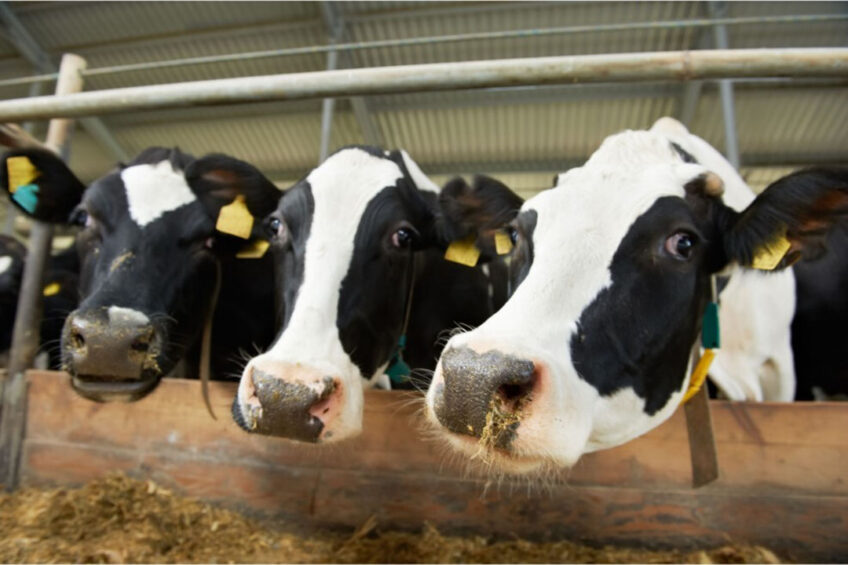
{"points": [[99, 389]]}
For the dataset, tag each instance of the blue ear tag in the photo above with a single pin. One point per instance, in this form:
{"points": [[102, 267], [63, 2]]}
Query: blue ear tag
{"points": [[26, 197], [398, 370]]}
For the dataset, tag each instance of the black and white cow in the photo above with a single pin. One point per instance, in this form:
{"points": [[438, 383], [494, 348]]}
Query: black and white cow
{"points": [[357, 240], [60, 296], [150, 255], [611, 273]]}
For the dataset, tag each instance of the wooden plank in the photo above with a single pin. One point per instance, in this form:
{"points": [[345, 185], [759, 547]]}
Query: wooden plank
{"points": [[783, 471]]}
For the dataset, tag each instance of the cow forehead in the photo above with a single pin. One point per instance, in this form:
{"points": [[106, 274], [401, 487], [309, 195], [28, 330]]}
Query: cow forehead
{"points": [[342, 186], [582, 221], [154, 189]]}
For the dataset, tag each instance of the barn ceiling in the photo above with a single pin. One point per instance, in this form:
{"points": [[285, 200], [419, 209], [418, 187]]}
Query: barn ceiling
{"points": [[521, 135]]}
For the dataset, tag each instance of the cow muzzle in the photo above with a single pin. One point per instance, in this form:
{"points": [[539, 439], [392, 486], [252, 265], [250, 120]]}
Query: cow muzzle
{"points": [[111, 354], [484, 396], [291, 401]]}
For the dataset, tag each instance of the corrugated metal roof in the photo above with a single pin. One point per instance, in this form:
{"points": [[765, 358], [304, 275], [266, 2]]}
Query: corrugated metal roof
{"points": [[521, 135]]}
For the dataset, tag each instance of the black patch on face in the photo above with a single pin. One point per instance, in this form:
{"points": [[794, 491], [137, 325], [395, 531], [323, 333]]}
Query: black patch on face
{"points": [[522, 256], [639, 331], [685, 155], [374, 291], [295, 210]]}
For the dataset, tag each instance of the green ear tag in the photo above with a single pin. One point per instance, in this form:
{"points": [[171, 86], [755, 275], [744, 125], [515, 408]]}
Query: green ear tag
{"points": [[26, 197], [710, 332], [398, 370]]}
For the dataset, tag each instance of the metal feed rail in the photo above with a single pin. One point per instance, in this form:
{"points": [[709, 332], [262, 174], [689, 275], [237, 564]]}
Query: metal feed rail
{"points": [[608, 68]]}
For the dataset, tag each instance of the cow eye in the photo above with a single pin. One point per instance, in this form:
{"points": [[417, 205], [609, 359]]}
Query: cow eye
{"points": [[80, 217], [275, 228], [403, 237], [680, 245], [512, 232]]}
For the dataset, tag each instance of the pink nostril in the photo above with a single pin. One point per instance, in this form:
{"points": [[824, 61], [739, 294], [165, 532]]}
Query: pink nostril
{"points": [[328, 403]]}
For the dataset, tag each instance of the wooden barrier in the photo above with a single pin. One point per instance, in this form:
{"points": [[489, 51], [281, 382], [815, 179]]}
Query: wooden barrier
{"points": [[784, 482]]}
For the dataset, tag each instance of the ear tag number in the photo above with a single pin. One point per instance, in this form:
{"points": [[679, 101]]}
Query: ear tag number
{"points": [[235, 219], [52, 289], [503, 244], [769, 256], [463, 251], [21, 172], [253, 250]]}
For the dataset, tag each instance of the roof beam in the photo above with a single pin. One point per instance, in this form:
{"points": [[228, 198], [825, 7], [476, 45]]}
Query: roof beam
{"points": [[30, 50]]}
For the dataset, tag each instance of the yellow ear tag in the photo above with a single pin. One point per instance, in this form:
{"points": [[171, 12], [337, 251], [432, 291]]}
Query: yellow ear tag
{"points": [[235, 219], [503, 244], [21, 172], [769, 256], [52, 289], [699, 375], [253, 250], [463, 251]]}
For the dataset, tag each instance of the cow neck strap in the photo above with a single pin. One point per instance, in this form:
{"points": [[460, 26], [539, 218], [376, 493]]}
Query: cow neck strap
{"points": [[710, 342], [206, 342], [398, 371]]}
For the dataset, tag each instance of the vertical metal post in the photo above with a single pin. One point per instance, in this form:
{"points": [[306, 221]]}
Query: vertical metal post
{"points": [[336, 27], [728, 110], [327, 111], [25, 339]]}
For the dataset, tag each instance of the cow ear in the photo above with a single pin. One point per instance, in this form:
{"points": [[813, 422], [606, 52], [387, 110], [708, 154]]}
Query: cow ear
{"points": [[40, 184], [790, 220], [233, 192], [476, 209]]}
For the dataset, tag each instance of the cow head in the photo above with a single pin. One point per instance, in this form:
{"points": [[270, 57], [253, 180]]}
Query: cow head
{"points": [[149, 253], [344, 241], [611, 274]]}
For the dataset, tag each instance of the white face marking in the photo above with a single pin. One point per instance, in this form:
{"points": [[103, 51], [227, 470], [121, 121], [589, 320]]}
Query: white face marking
{"points": [[5, 263], [421, 180], [342, 187], [119, 315], [153, 190], [580, 224]]}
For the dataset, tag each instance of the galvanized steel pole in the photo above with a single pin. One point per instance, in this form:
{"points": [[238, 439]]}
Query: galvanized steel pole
{"points": [[27, 330], [728, 108], [627, 67]]}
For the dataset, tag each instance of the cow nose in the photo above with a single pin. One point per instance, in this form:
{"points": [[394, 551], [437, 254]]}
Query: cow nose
{"points": [[484, 395], [110, 348], [287, 401]]}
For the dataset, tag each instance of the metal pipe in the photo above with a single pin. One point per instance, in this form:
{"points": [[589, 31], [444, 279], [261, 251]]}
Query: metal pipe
{"points": [[728, 108], [627, 67], [430, 40], [27, 329]]}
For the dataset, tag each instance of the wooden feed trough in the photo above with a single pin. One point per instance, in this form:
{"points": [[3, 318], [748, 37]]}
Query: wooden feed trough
{"points": [[783, 472]]}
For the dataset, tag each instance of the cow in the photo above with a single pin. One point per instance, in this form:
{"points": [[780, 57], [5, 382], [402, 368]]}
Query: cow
{"points": [[60, 297], [359, 246], [612, 271], [160, 237]]}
